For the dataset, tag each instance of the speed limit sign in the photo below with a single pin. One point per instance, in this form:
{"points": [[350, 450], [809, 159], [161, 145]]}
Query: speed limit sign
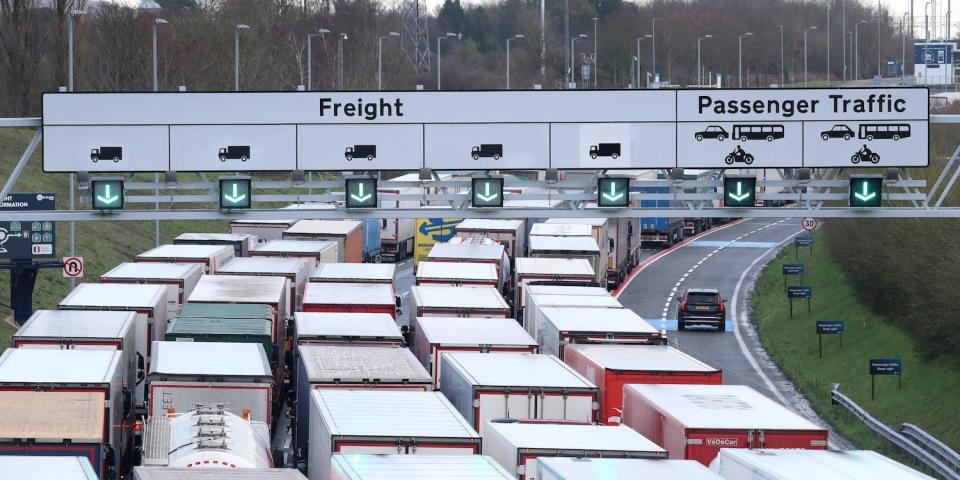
{"points": [[809, 224], [72, 267]]}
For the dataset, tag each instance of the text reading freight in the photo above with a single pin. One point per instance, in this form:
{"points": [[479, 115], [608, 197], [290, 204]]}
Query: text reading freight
{"points": [[873, 103], [367, 110]]}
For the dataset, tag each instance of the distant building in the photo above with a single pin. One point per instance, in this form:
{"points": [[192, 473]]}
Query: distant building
{"points": [[935, 63]]}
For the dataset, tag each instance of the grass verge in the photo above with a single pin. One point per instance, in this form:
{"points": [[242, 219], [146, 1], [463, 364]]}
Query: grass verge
{"points": [[930, 389]]}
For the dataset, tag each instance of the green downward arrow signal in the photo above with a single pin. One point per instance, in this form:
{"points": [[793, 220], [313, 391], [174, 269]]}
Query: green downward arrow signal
{"points": [[106, 198], [237, 197], [613, 196], [740, 195], [866, 195], [359, 196], [486, 196]]}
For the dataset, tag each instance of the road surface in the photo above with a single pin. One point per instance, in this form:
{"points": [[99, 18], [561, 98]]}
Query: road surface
{"points": [[728, 258]]}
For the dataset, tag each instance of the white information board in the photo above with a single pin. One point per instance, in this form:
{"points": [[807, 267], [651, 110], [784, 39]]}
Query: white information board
{"points": [[502, 130]]}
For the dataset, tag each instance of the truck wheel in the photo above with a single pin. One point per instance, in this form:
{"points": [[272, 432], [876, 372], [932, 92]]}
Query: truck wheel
{"points": [[116, 159], [614, 156], [95, 159], [496, 156], [593, 156], [349, 157], [369, 158], [222, 158], [475, 156], [243, 158]]}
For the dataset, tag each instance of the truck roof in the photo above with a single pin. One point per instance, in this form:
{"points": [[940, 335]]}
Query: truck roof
{"points": [[77, 324], [47, 468], [547, 289], [553, 266], [624, 468], [390, 413], [361, 363], [445, 296], [349, 294], [795, 464], [186, 250], [204, 236], [561, 230], [723, 407], [457, 271], [592, 221], [150, 270], [356, 272], [466, 251], [45, 366], [121, 295], [337, 228], [650, 358], [52, 417], [220, 326], [227, 310], [304, 247], [212, 359], [489, 225], [280, 266], [572, 300], [335, 324], [274, 223], [171, 473], [515, 369], [613, 438], [453, 331], [418, 467], [563, 244], [591, 319], [239, 289]]}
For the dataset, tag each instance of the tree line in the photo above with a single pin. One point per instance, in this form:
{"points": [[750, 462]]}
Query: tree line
{"points": [[113, 49]]}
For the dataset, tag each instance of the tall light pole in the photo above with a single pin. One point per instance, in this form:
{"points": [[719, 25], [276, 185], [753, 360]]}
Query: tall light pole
{"points": [[156, 176], [783, 77], [380, 57], [573, 55], [740, 58], [340, 38], [843, 24], [596, 62], [879, 71], [236, 55], [73, 226], [639, 73], [856, 48], [543, 41], [805, 31], [828, 44], [448, 35], [653, 41], [699, 76], [515, 37], [566, 30], [903, 45], [320, 33]]}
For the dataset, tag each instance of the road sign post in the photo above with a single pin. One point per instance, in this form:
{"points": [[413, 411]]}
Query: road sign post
{"points": [[866, 191], [796, 291], [613, 192], [802, 241], [72, 267], [829, 327], [360, 192], [235, 192], [739, 191], [106, 193], [884, 366], [487, 192], [794, 269]]}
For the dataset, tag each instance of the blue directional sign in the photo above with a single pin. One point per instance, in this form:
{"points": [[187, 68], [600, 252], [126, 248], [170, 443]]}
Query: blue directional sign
{"points": [[805, 241], [487, 192], [793, 269], [796, 291], [361, 192], [866, 190], [235, 192], [830, 327], [613, 192], [107, 193], [739, 191], [886, 366]]}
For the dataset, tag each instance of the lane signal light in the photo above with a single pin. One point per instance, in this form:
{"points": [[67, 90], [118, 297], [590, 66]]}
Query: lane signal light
{"points": [[739, 191], [107, 193]]}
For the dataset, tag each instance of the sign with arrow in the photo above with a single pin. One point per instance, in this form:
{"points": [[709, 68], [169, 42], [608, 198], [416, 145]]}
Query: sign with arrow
{"points": [[235, 192], [361, 192], [866, 190], [613, 192], [107, 193], [487, 192], [739, 191]]}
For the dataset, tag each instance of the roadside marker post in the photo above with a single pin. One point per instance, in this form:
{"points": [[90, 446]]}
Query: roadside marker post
{"points": [[884, 366], [829, 327]]}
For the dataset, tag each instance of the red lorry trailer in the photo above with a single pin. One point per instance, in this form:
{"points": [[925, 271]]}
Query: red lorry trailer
{"points": [[611, 367], [347, 233], [693, 422]]}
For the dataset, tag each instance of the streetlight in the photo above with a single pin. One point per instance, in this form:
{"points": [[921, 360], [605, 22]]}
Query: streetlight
{"points": [[320, 33], [157, 21], [448, 35], [699, 76], [653, 37], [573, 54], [236, 55], [515, 37], [73, 13], [805, 30], [783, 78], [856, 47], [340, 38], [828, 44], [596, 63], [380, 58], [740, 59], [638, 56]]}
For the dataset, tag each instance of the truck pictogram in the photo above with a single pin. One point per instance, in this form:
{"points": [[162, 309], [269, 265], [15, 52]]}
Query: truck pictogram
{"points": [[235, 152], [487, 150], [106, 153], [361, 151]]}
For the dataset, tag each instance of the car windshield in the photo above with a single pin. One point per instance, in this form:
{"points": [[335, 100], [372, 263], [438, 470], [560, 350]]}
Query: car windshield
{"points": [[702, 298]]}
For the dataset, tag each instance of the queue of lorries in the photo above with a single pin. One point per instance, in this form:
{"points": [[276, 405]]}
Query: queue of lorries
{"points": [[509, 359]]}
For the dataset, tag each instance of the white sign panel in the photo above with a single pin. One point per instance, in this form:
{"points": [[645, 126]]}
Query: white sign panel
{"points": [[360, 147], [589, 129]]}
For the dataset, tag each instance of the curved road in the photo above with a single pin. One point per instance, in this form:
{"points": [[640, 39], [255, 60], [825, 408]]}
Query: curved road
{"points": [[729, 258]]}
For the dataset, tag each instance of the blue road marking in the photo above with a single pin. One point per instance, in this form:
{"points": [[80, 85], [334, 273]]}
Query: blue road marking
{"points": [[733, 244], [671, 325]]}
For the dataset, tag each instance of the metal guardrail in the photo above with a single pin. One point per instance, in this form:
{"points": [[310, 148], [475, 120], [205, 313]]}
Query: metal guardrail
{"points": [[932, 445], [913, 448]]}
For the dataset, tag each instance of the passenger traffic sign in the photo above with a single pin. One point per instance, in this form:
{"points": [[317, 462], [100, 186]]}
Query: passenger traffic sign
{"points": [[830, 327], [866, 190], [613, 192], [361, 192], [72, 267], [739, 191], [487, 192], [235, 192], [107, 193], [793, 269], [794, 291]]}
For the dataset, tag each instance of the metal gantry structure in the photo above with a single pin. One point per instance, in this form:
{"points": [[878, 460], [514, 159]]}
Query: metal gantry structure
{"points": [[415, 34], [819, 195]]}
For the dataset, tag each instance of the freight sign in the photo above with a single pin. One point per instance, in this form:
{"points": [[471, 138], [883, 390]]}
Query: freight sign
{"points": [[483, 130], [27, 240]]}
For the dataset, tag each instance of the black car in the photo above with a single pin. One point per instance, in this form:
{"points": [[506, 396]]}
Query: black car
{"points": [[701, 306], [713, 131], [838, 131]]}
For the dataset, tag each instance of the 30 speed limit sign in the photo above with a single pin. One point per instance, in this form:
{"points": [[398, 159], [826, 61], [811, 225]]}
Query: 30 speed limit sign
{"points": [[72, 267], [808, 223]]}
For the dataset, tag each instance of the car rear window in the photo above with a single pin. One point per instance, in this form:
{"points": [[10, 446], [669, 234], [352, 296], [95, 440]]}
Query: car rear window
{"points": [[702, 297]]}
